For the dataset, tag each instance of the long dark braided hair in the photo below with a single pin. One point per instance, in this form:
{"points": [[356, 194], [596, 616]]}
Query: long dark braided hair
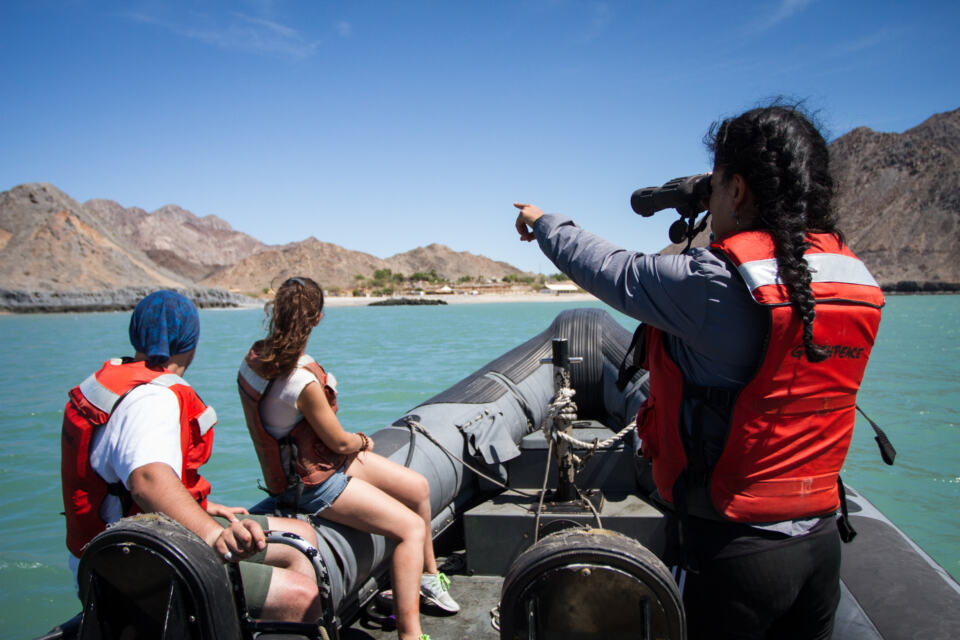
{"points": [[293, 314], [784, 159]]}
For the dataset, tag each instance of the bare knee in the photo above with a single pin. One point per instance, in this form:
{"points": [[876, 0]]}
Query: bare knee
{"points": [[293, 525], [286, 557], [413, 531], [292, 597], [419, 492]]}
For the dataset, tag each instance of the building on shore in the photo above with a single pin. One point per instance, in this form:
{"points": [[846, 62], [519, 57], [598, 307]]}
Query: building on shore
{"points": [[557, 288]]}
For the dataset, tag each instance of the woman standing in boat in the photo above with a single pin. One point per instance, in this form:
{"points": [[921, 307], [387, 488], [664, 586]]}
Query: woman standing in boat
{"points": [[313, 465], [756, 346]]}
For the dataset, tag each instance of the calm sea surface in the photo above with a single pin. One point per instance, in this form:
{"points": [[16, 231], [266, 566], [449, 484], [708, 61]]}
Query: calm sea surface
{"points": [[388, 360]]}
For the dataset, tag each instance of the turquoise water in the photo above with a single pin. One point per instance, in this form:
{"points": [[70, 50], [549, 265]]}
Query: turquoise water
{"points": [[388, 360]]}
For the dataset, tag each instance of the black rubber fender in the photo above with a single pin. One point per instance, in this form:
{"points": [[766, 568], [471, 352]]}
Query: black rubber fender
{"points": [[149, 576], [590, 583]]}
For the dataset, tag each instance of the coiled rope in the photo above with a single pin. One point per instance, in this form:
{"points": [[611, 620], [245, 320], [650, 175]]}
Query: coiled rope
{"points": [[561, 412]]}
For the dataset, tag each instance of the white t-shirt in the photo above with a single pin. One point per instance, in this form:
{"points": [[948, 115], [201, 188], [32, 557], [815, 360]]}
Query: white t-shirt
{"points": [[144, 428], [278, 409]]}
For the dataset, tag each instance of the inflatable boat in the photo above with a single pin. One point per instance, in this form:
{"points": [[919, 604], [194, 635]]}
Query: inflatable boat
{"points": [[541, 517]]}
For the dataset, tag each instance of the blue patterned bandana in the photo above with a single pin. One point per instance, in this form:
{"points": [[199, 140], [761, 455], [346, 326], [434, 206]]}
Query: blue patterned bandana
{"points": [[164, 324]]}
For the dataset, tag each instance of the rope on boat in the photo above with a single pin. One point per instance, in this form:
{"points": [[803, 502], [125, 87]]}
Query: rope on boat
{"points": [[413, 424], [561, 412], [605, 444], [543, 494]]}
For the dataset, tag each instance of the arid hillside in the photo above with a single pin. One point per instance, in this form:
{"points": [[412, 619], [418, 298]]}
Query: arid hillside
{"points": [[51, 244], [898, 200], [174, 238], [338, 268]]}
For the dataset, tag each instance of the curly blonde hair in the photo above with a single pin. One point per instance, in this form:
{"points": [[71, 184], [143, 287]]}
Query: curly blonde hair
{"points": [[293, 313]]}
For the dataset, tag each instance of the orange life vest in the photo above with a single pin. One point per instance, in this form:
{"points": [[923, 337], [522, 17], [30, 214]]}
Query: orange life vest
{"points": [[790, 426], [300, 456], [91, 404]]}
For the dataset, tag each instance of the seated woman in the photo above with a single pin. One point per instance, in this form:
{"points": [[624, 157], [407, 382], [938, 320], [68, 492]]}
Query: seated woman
{"points": [[290, 400]]}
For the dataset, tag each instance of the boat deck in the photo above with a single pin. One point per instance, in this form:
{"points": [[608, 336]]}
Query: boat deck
{"points": [[476, 594], [477, 551]]}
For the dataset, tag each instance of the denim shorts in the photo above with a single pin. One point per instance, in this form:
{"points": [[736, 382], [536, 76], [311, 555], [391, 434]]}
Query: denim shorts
{"points": [[315, 499]]}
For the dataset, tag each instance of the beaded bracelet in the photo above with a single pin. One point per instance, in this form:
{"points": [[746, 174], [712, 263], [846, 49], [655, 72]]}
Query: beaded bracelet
{"points": [[366, 441]]}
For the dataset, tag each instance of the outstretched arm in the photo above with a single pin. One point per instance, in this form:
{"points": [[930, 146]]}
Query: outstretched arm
{"points": [[156, 488]]}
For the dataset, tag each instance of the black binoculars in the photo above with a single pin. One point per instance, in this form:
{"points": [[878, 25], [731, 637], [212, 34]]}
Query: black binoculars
{"points": [[688, 195]]}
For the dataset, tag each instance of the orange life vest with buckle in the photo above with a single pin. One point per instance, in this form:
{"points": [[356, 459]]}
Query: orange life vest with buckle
{"points": [[298, 457], [789, 427], [91, 404]]}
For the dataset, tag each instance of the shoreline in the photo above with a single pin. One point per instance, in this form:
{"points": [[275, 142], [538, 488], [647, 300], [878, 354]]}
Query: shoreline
{"points": [[50, 307], [457, 299], [244, 302]]}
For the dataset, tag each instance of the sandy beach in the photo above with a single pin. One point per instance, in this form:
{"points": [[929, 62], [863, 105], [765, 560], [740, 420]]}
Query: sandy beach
{"points": [[483, 298]]}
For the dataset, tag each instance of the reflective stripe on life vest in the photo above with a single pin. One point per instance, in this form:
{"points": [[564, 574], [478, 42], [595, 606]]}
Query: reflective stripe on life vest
{"points": [[256, 382], [98, 395], [824, 267]]}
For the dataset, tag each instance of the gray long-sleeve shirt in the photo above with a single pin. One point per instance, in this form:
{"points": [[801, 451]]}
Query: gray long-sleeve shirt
{"points": [[715, 328]]}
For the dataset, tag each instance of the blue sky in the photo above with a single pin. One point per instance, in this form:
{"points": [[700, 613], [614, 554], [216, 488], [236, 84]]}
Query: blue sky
{"points": [[382, 126]]}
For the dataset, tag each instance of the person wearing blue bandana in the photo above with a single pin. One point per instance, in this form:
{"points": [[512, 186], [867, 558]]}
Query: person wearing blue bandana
{"points": [[151, 432], [164, 324]]}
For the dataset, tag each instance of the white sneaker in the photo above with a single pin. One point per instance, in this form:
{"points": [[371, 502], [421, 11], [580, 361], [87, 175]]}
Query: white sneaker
{"points": [[435, 590]]}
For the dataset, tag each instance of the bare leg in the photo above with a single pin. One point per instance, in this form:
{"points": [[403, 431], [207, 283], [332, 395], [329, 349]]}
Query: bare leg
{"points": [[404, 484], [367, 508], [293, 593], [287, 557], [292, 596]]}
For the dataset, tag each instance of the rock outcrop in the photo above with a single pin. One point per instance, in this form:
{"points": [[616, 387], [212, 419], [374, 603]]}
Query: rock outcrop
{"points": [[176, 239], [54, 244], [336, 267], [121, 299], [898, 201], [898, 198]]}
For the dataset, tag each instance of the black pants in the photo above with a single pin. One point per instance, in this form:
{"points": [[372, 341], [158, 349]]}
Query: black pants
{"points": [[753, 584]]}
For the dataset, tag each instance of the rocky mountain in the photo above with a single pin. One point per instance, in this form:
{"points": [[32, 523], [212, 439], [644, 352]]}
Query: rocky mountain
{"points": [[175, 238], [329, 264], [448, 263], [898, 197], [57, 253], [336, 267], [898, 200], [51, 243]]}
